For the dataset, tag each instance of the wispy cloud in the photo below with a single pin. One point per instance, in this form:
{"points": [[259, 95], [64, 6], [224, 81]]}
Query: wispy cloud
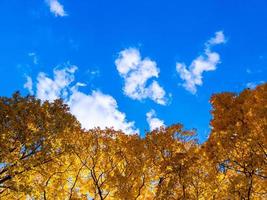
{"points": [[34, 57], [207, 61], [248, 71], [136, 72], [153, 121], [56, 8], [253, 85], [28, 85], [92, 110]]}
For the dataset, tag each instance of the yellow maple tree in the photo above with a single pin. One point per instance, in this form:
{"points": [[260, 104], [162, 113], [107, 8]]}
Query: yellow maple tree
{"points": [[45, 154]]}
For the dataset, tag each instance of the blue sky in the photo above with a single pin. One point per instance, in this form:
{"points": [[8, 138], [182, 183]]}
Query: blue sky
{"points": [[119, 58]]}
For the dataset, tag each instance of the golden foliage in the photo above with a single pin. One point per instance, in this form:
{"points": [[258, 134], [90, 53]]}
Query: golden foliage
{"points": [[45, 154]]}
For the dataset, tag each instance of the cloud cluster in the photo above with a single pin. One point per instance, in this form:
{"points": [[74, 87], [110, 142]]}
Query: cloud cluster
{"points": [[153, 121], [136, 72], [97, 109], [208, 61], [56, 8], [92, 110]]}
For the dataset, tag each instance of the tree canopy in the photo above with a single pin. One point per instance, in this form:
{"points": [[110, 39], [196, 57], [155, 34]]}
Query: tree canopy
{"points": [[45, 154]]}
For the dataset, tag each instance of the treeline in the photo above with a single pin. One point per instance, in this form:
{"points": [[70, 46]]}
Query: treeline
{"points": [[45, 154]]}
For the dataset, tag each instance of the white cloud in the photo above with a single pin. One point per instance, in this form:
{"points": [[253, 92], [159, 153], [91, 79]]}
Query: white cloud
{"points": [[153, 121], [208, 61], [49, 89], [99, 110], [28, 85], [218, 39], [92, 110], [136, 72], [56, 8]]}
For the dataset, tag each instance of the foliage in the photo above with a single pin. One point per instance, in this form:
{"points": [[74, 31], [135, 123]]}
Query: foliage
{"points": [[45, 154]]}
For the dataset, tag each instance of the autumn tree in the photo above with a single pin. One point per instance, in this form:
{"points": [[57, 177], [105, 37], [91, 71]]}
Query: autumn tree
{"points": [[238, 141], [45, 154], [31, 134], [168, 152]]}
